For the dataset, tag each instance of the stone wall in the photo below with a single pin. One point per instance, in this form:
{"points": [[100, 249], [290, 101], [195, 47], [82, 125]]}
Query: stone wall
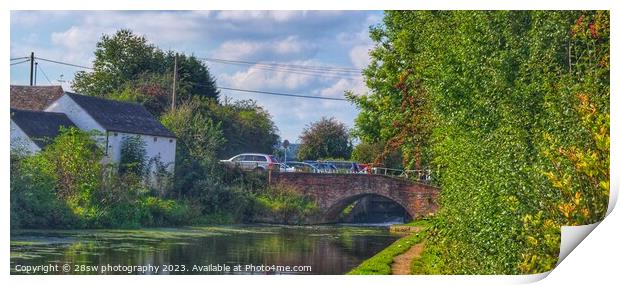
{"points": [[333, 192]]}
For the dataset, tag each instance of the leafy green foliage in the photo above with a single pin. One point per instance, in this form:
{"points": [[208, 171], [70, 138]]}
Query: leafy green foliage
{"points": [[199, 137], [220, 194], [161, 212], [133, 156], [284, 203], [60, 180], [513, 111], [429, 262], [247, 127], [67, 186], [365, 152], [127, 67], [325, 138], [34, 203], [74, 160]]}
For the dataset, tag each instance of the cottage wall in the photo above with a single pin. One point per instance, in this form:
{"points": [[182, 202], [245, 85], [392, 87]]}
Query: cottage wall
{"points": [[155, 146], [21, 141], [75, 113]]}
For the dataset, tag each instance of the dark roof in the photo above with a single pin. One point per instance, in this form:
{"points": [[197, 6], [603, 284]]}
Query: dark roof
{"points": [[34, 97], [121, 116], [40, 126]]}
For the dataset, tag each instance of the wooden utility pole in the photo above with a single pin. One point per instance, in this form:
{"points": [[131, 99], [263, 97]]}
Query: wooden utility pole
{"points": [[36, 64], [31, 67], [174, 82]]}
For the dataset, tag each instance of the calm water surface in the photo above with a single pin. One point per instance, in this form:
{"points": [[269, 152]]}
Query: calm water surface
{"points": [[198, 250]]}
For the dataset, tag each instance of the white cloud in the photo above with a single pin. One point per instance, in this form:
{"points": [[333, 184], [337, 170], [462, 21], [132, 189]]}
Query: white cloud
{"points": [[360, 42], [261, 79], [289, 47], [161, 27], [337, 89], [76, 38], [278, 16], [35, 18], [359, 55]]}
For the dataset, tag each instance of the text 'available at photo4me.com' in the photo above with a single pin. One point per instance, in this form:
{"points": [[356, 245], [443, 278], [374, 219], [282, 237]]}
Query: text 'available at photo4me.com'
{"points": [[161, 269]]}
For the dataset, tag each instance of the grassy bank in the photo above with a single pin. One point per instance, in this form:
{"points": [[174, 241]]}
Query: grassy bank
{"points": [[381, 262]]}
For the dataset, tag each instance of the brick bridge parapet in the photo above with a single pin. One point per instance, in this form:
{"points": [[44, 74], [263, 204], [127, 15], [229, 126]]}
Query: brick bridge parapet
{"points": [[333, 192]]}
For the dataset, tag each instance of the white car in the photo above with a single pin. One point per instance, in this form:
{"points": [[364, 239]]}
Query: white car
{"points": [[252, 161]]}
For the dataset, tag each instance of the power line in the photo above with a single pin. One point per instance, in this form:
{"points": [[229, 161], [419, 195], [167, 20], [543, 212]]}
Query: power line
{"points": [[315, 67], [287, 65], [45, 75], [16, 58], [224, 88], [65, 63], [299, 71], [15, 63], [278, 68], [271, 93], [282, 94]]}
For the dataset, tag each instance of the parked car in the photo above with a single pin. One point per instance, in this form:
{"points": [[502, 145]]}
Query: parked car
{"points": [[346, 166], [252, 161], [323, 167], [287, 167], [301, 167]]}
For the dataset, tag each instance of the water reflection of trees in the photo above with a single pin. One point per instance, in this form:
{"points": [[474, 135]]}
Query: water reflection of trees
{"points": [[327, 250]]}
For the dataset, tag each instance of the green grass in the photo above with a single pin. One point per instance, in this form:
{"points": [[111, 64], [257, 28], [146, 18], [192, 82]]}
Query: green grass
{"points": [[429, 262], [423, 223], [381, 263]]}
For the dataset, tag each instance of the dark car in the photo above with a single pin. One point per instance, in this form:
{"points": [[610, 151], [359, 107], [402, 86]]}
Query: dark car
{"points": [[323, 167], [346, 166], [302, 167]]}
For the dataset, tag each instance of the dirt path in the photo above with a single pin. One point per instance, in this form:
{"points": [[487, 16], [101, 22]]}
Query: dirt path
{"points": [[402, 263]]}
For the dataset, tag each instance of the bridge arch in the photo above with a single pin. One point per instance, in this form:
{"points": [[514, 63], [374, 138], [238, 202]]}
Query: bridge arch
{"points": [[332, 213], [332, 191]]}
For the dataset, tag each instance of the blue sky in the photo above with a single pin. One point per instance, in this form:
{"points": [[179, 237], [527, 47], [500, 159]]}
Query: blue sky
{"points": [[333, 38]]}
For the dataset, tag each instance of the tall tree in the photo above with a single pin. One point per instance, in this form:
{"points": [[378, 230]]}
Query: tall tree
{"points": [[517, 104], [247, 127], [326, 138], [128, 67]]}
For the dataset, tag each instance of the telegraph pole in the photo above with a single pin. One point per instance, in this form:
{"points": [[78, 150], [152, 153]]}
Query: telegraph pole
{"points": [[36, 64], [174, 82], [31, 66]]}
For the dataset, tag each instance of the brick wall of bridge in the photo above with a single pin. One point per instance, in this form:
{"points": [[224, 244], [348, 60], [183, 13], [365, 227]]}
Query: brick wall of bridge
{"points": [[333, 192]]}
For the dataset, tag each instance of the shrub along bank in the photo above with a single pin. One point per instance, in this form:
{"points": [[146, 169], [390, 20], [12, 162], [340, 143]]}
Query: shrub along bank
{"points": [[382, 261], [283, 204], [510, 109], [66, 186]]}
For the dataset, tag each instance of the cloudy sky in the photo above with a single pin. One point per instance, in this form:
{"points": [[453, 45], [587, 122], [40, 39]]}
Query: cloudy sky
{"points": [[304, 38]]}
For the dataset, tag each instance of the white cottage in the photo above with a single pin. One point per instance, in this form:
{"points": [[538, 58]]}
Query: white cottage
{"points": [[115, 121], [33, 130]]}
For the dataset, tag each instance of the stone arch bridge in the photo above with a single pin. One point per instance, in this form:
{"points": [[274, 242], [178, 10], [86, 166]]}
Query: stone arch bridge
{"points": [[333, 192]]}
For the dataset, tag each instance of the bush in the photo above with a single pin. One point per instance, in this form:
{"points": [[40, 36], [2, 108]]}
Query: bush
{"points": [[34, 203], [282, 203], [133, 156], [158, 212]]}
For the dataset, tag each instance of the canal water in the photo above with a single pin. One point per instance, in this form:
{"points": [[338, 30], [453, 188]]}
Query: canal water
{"points": [[243, 249]]}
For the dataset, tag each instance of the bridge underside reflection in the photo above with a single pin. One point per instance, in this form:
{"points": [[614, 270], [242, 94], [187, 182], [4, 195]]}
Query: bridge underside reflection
{"points": [[367, 208]]}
